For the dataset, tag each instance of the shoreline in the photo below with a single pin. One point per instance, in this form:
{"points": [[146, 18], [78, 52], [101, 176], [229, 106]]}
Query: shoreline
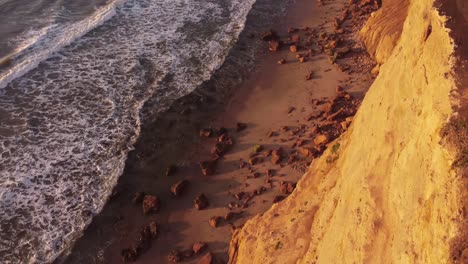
{"points": [[264, 102]]}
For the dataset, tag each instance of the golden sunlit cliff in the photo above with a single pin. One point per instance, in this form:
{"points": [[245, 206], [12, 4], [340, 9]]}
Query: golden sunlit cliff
{"points": [[392, 196]]}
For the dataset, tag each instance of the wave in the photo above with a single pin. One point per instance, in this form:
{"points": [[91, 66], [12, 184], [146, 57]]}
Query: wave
{"points": [[39, 44]]}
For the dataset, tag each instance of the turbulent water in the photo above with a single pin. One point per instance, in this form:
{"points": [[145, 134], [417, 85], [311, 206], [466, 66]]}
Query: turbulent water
{"points": [[70, 98]]}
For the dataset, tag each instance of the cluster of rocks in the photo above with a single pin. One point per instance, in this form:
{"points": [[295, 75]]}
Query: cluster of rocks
{"points": [[197, 249], [142, 244]]}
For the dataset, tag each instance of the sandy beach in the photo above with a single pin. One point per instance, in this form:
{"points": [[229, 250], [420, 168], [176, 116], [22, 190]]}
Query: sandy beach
{"points": [[281, 105]]}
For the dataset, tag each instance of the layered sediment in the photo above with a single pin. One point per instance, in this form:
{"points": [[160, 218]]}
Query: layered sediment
{"points": [[392, 195]]}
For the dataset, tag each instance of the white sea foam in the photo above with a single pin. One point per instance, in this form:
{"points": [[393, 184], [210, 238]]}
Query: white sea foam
{"points": [[67, 125]]}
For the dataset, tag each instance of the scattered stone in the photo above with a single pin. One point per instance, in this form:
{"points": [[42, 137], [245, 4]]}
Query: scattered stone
{"points": [[208, 258], [174, 256], [129, 255], [257, 148], [138, 197], [274, 45], [200, 202], [215, 221], [309, 75], [255, 160], [295, 38], [208, 167], [287, 187], [179, 187], [302, 59], [239, 195], [150, 204], [199, 247], [271, 134], [313, 115], [269, 35], [305, 151], [276, 156], [282, 61], [291, 109], [320, 139], [271, 173], [293, 48], [284, 129], [232, 215], [206, 132], [278, 198]]}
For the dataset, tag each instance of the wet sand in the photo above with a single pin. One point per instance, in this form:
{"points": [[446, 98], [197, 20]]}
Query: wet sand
{"points": [[273, 97]]}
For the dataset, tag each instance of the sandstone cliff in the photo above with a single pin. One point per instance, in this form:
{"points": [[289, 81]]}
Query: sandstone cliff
{"points": [[392, 196]]}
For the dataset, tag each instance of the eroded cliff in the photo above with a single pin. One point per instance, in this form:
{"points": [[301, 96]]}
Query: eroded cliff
{"points": [[393, 195]]}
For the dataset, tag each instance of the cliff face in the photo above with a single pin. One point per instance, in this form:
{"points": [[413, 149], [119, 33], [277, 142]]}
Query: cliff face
{"points": [[392, 195]]}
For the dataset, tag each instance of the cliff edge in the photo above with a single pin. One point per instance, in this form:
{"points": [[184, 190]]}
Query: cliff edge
{"points": [[393, 195]]}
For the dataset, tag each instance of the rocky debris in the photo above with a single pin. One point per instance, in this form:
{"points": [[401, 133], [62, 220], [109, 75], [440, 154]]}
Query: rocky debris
{"points": [[179, 187], [208, 167], [150, 204], [206, 132], [215, 221], [208, 258], [269, 35], [313, 115], [199, 247], [276, 156], [271, 173], [152, 228], [295, 38], [293, 48], [320, 139], [201, 202], [223, 144], [287, 187], [309, 75], [129, 255], [232, 215], [278, 198], [291, 109], [138, 197], [175, 256], [257, 148], [240, 126], [302, 59], [305, 151], [274, 45], [282, 61], [255, 160], [292, 30]]}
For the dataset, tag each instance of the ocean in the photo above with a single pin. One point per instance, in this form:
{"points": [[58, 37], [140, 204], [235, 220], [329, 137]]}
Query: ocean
{"points": [[74, 77]]}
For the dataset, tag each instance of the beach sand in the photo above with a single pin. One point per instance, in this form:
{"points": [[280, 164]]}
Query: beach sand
{"points": [[272, 97]]}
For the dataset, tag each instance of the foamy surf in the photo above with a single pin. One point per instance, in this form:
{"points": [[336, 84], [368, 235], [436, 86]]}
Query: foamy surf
{"points": [[67, 125]]}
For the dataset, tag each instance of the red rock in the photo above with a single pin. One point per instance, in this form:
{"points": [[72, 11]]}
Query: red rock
{"points": [[274, 45], [179, 187], [174, 256], [255, 160], [302, 59], [291, 109], [287, 187], [305, 151], [138, 197], [241, 126], [129, 255], [282, 61], [208, 167], [206, 132], [292, 30], [199, 247], [320, 139], [150, 204], [208, 258], [215, 221], [269, 35], [293, 48], [295, 38], [232, 215], [278, 198], [309, 75], [200, 202], [276, 156]]}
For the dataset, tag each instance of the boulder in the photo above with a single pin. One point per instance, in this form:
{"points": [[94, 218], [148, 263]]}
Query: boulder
{"points": [[178, 188], [208, 167], [215, 221], [201, 202], [199, 247], [269, 35], [232, 215], [257, 148], [129, 255], [282, 61], [208, 258], [309, 75], [276, 156], [295, 38], [287, 187], [138, 197], [274, 45], [174, 256], [293, 48], [320, 139], [150, 204]]}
